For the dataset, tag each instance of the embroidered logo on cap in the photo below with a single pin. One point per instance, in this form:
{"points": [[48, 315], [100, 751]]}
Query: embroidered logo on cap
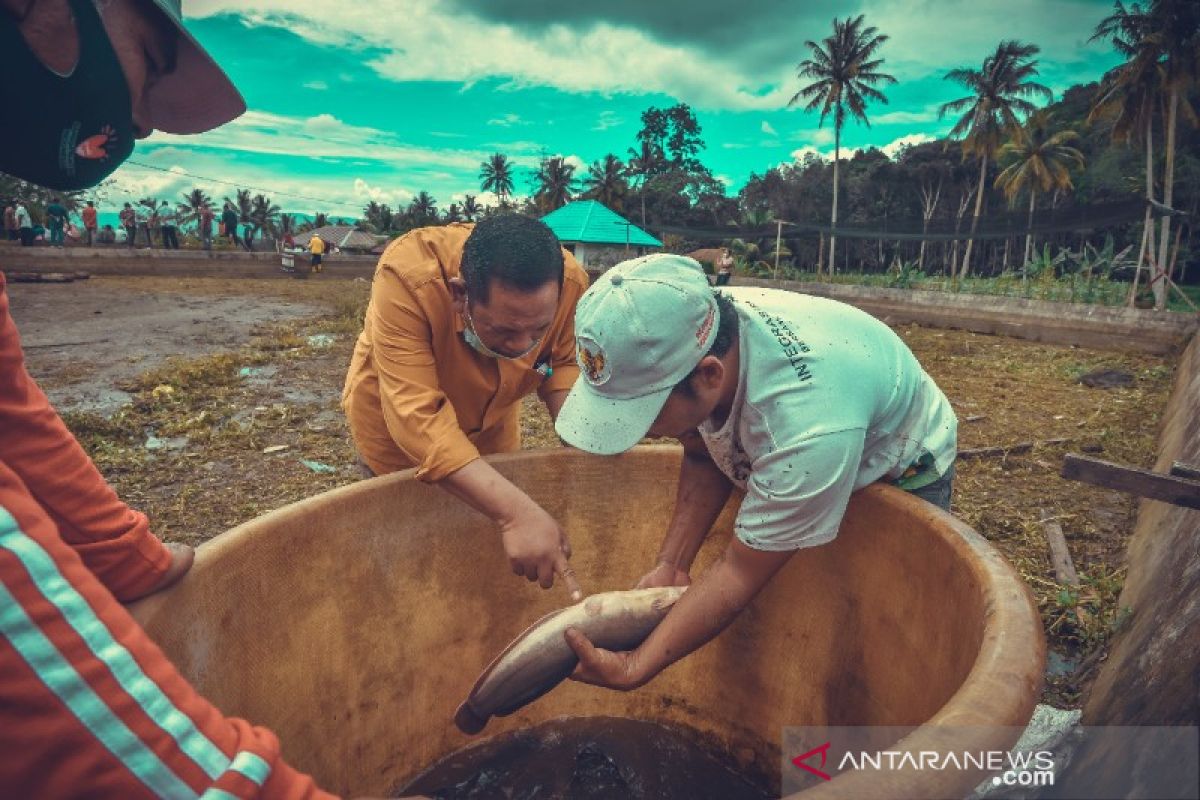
{"points": [[705, 326], [593, 362]]}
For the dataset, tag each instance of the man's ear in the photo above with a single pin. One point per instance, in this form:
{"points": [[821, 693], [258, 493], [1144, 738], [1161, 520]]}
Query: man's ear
{"points": [[710, 372], [458, 293]]}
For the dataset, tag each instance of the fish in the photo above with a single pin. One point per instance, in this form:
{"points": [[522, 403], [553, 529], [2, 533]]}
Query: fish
{"points": [[540, 658]]}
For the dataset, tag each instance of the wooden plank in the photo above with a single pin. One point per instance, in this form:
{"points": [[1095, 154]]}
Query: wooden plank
{"points": [[1007, 449], [1189, 471], [1141, 482], [1060, 556]]}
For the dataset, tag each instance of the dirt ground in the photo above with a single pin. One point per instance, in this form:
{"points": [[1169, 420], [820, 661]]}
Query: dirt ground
{"points": [[209, 402]]}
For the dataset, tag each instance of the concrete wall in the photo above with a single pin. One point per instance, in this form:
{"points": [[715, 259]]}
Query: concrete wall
{"points": [[1152, 675], [1096, 327]]}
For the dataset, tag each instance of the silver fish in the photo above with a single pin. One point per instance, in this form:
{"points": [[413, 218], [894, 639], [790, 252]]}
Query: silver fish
{"points": [[540, 658]]}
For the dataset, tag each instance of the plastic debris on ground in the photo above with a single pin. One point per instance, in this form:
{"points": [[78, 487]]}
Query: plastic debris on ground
{"points": [[318, 467]]}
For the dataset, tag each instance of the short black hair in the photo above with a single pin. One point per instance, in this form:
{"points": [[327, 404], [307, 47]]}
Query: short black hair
{"points": [[514, 249], [727, 331]]}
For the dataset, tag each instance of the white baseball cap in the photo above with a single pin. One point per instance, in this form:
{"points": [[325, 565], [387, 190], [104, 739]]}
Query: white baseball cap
{"points": [[640, 329]]}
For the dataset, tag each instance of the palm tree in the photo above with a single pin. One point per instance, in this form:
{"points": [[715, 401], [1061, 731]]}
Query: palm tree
{"points": [[320, 219], [453, 214], [1160, 41], [1040, 160], [495, 175], [470, 208], [263, 215], [1127, 97], [423, 210], [647, 160], [998, 93], [555, 183], [193, 202], [844, 73], [606, 182]]}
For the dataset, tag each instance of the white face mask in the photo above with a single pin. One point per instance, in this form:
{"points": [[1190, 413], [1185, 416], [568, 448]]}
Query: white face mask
{"points": [[472, 339]]}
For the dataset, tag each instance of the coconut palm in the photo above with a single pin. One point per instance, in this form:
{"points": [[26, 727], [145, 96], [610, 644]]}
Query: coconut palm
{"points": [[1039, 159], [423, 210], [470, 208], [190, 207], [495, 175], [844, 72], [998, 93], [605, 182], [263, 216], [1160, 42], [453, 213], [555, 181], [647, 160]]}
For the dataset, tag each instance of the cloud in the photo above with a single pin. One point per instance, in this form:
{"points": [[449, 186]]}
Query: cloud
{"points": [[507, 121], [734, 145], [767, 129], [606, 120], [892, 149], [319, 86], [581, 166]]}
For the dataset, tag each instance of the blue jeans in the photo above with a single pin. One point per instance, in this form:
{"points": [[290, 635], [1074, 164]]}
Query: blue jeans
{"points": [[56, 234], [939, 491]]}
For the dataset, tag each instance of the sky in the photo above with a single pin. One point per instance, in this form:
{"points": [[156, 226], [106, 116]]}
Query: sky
{"points": [[352, 102]]}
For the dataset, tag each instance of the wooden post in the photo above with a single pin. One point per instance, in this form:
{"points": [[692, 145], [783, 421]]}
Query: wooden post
{"points": [[778, 238]]}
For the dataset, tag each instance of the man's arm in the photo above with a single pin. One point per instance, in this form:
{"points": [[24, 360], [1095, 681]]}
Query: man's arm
{"points": [[702, 492], [554, 401], [704, 611], [524, 525]]}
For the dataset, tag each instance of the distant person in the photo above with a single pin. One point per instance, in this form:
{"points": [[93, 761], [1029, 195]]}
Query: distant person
{"points": [[128, 219], [24, 225], [89, 222], [289, 241], [56, 220], [724, 268], [229, 223], [316, 249], [248, 236], [107, 235], [204, 226], [170, 233], [11, 229]]}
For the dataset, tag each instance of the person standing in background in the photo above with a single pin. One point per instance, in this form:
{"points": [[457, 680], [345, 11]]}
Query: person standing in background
{"points": [[11, 229], [229, 223], [204, 226], [170, 233], [56, 220], [24, 225], [89, 223], [128, 219]]}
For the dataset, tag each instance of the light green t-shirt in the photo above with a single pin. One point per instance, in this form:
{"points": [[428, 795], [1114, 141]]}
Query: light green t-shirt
{"points": [[829, 400]]}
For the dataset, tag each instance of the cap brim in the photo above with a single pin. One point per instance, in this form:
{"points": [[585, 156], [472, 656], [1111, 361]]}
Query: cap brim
{"points": [[194, 97], [605, 426]]}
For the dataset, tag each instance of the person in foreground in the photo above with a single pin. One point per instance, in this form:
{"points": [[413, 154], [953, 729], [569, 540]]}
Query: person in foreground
{"points": [[89, 706], [797, 400], [464, 321]]}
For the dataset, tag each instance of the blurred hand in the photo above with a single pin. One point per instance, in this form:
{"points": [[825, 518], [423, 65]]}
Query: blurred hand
{"points": [[538, 549], [664, 574]]}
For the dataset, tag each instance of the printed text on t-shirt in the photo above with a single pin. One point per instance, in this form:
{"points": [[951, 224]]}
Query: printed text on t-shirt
{"points": [[793, 348]]}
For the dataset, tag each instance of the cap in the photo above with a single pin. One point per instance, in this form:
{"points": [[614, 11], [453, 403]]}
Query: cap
{"points": [[197, 95], [640, 329]]}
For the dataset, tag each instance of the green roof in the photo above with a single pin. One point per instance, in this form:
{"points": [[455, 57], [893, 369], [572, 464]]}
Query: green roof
{"points": [[593, 222]]}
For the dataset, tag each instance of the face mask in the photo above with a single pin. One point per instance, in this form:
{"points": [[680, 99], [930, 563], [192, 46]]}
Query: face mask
{"points": [[73, 131], [476, 344]]}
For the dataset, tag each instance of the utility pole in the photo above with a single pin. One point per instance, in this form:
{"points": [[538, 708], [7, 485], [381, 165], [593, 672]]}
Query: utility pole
{"points": [[778, 239]]}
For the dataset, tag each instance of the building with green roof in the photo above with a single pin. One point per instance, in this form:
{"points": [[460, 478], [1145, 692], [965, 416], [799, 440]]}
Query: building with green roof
{"points": [[598, 236]]}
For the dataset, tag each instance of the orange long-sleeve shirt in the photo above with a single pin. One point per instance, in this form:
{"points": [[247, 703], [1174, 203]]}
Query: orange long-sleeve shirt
{"points": [[416, 393]]}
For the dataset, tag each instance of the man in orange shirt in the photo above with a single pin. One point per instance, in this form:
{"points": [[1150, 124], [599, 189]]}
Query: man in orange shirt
{"points": [[464, 321]]}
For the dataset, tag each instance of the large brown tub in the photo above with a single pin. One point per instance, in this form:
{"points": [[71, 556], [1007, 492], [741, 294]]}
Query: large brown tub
{"points": [[352, 623]]}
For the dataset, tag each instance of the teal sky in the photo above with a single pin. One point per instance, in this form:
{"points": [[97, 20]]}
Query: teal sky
{"points": [[373, 100]]}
